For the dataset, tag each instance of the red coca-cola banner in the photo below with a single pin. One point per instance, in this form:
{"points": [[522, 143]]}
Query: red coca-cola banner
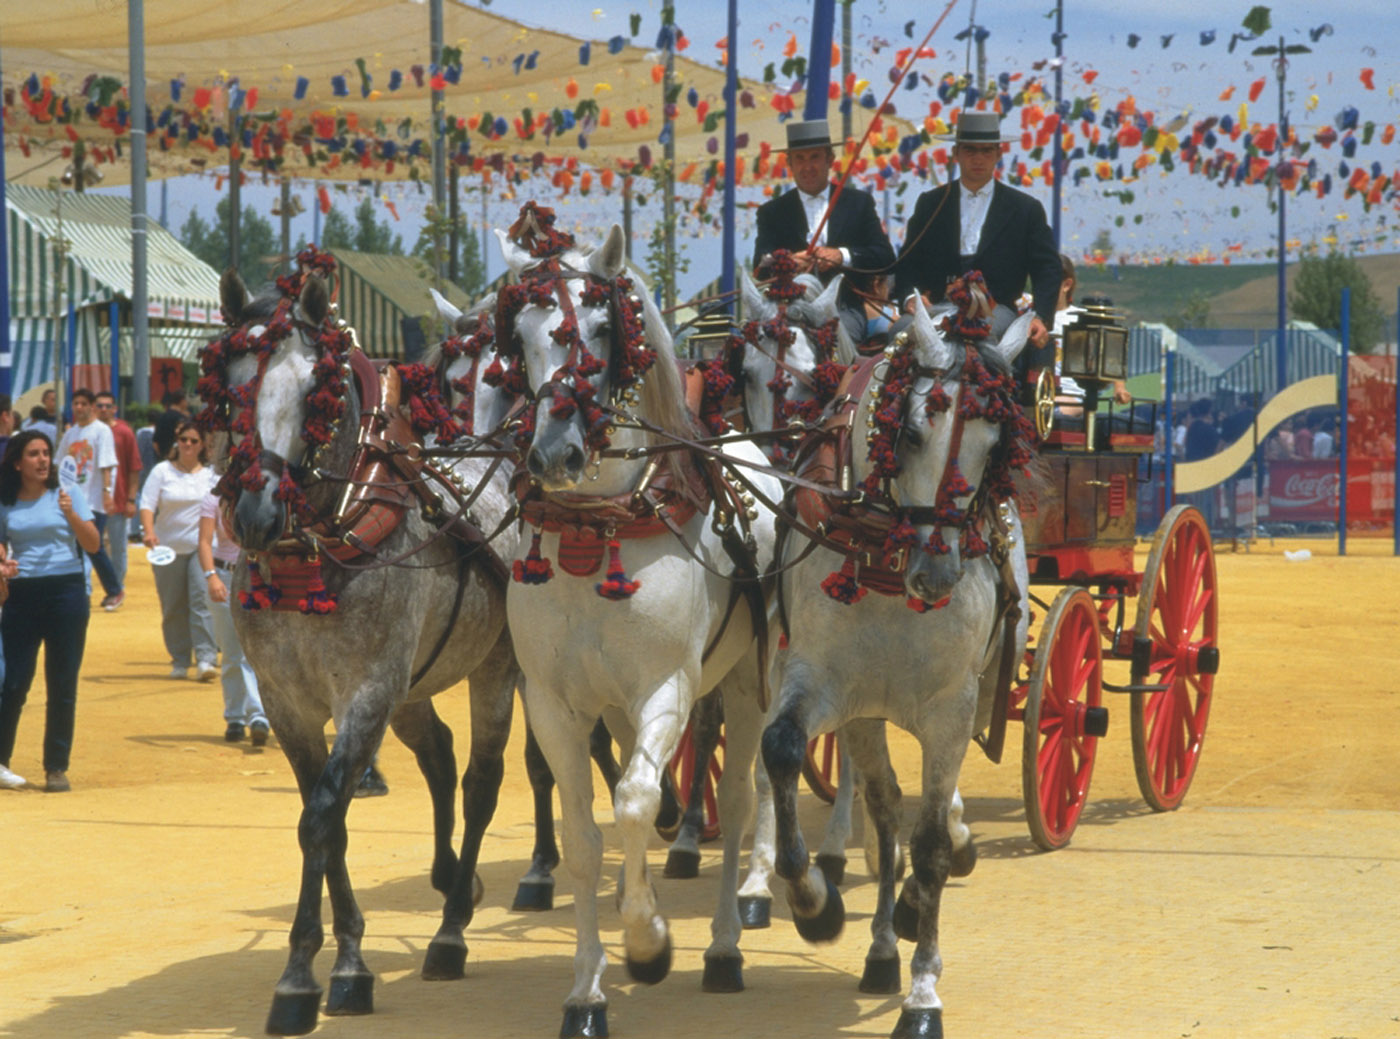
{"points": [[1303, 490]]}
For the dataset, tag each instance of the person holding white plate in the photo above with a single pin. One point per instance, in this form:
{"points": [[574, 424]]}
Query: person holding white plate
{"points": [[44, 531], [169, 513]]}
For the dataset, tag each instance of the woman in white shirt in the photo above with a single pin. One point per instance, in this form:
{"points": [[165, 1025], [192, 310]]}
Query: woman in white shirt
{"points": [[170, 503]]}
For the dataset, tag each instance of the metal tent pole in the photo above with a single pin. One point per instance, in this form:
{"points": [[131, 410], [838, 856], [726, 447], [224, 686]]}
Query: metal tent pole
{"points": [[140, 325], [1059, 152], [1343, 391], [668, 172], [819, 59], [439, 157], [731, 121]]}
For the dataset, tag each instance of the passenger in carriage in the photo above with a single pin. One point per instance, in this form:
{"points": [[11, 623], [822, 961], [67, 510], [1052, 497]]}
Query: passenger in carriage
{"points": [[1069, 395], [980, 224], [851, 237]]}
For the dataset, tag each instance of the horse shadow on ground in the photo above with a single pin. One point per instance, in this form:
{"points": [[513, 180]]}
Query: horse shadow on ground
{"points": [[507, 991]]}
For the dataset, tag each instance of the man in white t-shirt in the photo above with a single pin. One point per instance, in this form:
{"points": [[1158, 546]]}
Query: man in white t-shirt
{"points": [[90, 444]]}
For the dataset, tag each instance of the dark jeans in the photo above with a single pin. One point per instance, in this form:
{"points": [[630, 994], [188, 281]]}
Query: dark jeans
{"points": [[52, 611], [106, 572]]}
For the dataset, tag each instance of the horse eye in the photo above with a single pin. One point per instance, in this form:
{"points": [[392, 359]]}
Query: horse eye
{"points": [[911, 436]]}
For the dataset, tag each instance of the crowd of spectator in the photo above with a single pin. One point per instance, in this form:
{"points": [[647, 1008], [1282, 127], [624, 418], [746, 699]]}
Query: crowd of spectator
{"points": [[66, 503]]}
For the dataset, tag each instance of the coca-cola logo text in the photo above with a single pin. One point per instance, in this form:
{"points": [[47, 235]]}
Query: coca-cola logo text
{"points": [[1303, 489]]}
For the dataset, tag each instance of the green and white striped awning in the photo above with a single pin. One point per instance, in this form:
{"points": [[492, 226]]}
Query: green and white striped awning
{"points": [[180, 286], [378, 292]]}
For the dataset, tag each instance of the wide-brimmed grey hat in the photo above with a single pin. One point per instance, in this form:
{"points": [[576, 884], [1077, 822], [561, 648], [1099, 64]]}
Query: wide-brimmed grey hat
{"points": [[814, 133], [977, 128]]}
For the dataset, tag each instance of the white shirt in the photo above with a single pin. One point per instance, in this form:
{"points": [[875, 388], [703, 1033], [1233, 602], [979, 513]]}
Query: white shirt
{"points": [[1063, 319], [972, 209], [815, 208], [95, 450], [1322, 444], [175, 496]]}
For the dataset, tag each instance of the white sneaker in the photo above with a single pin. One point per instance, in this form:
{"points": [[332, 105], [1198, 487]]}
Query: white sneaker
{"points": [[176, 671], [206, 671], [9, 780]]}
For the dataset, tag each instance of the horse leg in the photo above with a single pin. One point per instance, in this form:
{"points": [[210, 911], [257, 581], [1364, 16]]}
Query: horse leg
{"points": [[817, 909], [419, 728], [964, 850], [706, 719], [535, 892], [493, 685], [600, 749], [723, 961], [865, 740], [297, 999], [564, 739], [944, 736], [755, 900], [831, 856], [645, 934], [322, 835]]}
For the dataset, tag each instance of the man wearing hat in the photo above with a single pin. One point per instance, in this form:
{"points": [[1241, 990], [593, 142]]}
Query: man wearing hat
{"points": [[978, 223], [851, 236]]}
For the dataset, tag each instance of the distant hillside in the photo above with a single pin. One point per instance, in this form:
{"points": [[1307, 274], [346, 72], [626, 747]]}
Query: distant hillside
{"points": [[1239, 295]]}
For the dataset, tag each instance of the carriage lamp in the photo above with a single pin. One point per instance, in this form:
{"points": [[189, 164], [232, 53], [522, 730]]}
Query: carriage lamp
{"points": [[1096, 346], [711, 332]]}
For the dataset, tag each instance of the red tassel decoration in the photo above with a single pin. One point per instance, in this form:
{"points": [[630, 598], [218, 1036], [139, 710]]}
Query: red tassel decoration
{"points": [[259, 596], [843, 585], [533, 569], [917, 605], [617, 586], [318, 600]]}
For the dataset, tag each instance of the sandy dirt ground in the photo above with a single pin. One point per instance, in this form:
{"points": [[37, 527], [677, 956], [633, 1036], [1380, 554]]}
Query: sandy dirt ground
{"points": [[154, 899]]}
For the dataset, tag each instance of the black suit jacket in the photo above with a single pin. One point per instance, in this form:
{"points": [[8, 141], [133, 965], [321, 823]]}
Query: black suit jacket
{"points": [[1016, 245], [853, 224]]}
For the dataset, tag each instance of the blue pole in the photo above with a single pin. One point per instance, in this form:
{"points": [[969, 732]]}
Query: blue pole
{"points": [[818, 58], [731, 121], [6, 354], [1345, 379], [1170, 434], [1059, 153], [1395, 486], [1282, 346], [114, 326]]}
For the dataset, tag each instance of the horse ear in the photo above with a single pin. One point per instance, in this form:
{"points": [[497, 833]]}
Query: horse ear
{"points": [[824, 308], [1013, 340], [517, 259], [446, 309], [608, 260], [233, 295], [315, 301], [933, 351], [754, 302]]}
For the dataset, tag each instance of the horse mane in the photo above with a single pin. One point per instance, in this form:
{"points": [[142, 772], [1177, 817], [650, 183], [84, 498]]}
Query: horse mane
{"points": [[662, 395]]}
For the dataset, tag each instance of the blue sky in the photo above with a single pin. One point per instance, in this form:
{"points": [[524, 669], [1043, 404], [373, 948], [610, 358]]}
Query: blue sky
{"points": [[1173, 215]]}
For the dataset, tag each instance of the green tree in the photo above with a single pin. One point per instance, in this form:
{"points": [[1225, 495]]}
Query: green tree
{"points": [[471, 271], [337, 232], [259, 245], [1317, 297], [374, 236], [1193, 312]]}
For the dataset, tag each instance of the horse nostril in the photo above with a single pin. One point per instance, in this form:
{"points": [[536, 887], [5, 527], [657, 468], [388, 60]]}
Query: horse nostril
{"points": [[573, 459], [533, 463]]}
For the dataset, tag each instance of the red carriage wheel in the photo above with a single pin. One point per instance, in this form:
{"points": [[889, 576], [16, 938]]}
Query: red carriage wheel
{"points": [[821, 768], [1177, 619], [682, 773], [1063, 718]]}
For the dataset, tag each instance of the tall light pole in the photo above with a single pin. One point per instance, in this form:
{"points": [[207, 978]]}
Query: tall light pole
{"points": [[1281, 53]]}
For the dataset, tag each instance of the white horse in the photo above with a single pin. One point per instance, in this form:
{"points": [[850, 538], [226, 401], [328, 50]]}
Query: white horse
{"points": [[927, 403], [372, 641], [661, 629]]}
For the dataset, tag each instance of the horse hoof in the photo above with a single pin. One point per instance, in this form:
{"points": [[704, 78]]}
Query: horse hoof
{"points": [[827, 925], [881, 977], [754, 911], [293, 1013], [650, 972], [534, 896], [682, 864], [445, 961], [833, 867], [906, 921], [351, 994], [919, 1024], [585, 1023], [372, 784], [723, 974], [963, 861]]}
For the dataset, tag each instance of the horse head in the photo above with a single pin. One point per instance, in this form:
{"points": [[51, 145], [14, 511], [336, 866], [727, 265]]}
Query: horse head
{"points": [[276, 380], [462, 360], [945, 428], [583, 340], [792, 350]]}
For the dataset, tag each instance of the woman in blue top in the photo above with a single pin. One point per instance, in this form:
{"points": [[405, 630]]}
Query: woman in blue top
{"points": [[43, 532]]}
